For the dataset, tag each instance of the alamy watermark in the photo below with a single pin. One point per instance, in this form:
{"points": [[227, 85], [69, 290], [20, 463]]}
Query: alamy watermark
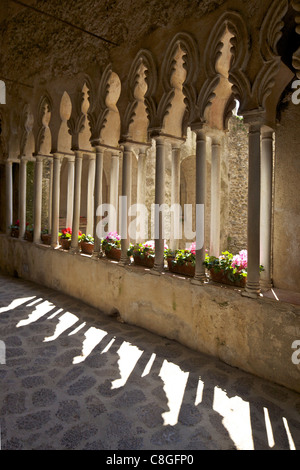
{"points": [[296, 94], [165, 221], [2, 353], [296, 354]]}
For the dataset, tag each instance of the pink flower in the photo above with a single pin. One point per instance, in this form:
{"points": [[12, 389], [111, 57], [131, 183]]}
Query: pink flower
{"points": [[240, 260], [113, 236], [193, 248]]}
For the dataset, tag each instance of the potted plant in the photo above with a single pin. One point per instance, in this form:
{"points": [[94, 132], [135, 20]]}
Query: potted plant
{"points": [[46, 236], [65, 239], [87, 244], [29, 232], [111, 245], [182, 261], [143, 253], [14, 229], [228, 268]]}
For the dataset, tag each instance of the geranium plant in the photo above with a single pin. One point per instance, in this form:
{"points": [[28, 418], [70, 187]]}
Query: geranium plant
{"points": [[112, 240], [66, 233], [86, 238], [233, 266], [16, 225]]}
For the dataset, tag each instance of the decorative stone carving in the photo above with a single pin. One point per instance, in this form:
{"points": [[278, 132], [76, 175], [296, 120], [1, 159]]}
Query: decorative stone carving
{"points": [[296, 56]]}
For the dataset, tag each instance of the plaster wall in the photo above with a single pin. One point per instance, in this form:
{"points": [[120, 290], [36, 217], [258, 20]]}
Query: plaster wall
{"points": [[254, 335]]}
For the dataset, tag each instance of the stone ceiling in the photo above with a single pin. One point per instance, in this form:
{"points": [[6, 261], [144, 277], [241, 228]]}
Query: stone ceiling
{"points": [[32, 43]]}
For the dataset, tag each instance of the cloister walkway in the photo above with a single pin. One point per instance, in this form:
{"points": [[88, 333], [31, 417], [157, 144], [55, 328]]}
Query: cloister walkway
{"points": [[74, 378]]}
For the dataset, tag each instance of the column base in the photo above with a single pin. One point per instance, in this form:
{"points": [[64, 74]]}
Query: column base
{"points": [[266, 284], [157, 269], [199, 280], [74, 251], [252, 292]]}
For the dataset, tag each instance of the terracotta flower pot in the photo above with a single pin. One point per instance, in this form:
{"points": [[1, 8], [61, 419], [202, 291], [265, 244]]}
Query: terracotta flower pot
{"points": [[14, 232], [113, 253], [221, 276], [87, 248], [28, 236], [46, 238], [65, 243], [148, 262], [186, 269]]}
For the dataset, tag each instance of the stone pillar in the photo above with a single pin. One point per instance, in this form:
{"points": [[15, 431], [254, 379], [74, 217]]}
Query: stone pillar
{"points": [[98, 198], [22, 197], [114, 191], [159, 201], [55, 200], [253, 273], [141, 185], [90, 194], [175, 196], [125, 202], [38, 187], [9, 195], [77, 201], [50, 160], [215, 197], [200, 275], [70, 191], [266, 208]]}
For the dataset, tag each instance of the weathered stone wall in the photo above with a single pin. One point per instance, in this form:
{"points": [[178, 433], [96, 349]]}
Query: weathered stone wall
{"points": [[286, 249]]}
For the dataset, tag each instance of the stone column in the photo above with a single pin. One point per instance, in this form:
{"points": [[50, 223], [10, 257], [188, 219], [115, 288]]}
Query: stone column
{"points": [[200, 276], [9, 195], [70, 191], [266, 208], [98, 198], [125, 202], [77, 201], [90, 194], [114, 191], [22, 197], [253, 274], [215, 197], [38, 185], [141, 186], [50, 160], [159, 201], [175, 196], [55, 200]]}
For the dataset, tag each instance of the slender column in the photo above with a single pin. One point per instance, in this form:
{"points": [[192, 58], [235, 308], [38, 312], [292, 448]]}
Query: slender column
{"points": [[77, 201], [55, 200], [38, 184], [114, 191], [200, 276], [9, 195], [70, 191], [175, 195], [141, 189], [90, 194], [266, 208], [159, 201], [253, 274], [50, 161], [98, 198], [215, 197], [22, 197], [125, 202]]}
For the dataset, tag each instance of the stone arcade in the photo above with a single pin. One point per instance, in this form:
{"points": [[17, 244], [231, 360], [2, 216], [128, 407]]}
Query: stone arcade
{"points": [[137, 101]]}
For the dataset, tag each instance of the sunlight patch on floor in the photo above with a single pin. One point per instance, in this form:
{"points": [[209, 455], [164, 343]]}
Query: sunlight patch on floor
{"points": [[236, 413], [175, 381], [16, 303], [93, 336], [67, 320], [149, 365], [129, 356], [40, 311]]}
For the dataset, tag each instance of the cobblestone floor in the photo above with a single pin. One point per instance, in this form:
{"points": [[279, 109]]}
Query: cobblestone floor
{"points": [[74, 378]]}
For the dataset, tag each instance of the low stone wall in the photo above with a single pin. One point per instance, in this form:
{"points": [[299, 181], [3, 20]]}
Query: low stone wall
{"points": [[253, 335]]}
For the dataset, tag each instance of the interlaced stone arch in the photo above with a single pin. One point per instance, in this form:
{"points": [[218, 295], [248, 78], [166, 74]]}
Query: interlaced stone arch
{"points": [[103, 112], [26, 134], [142, 83], [296, 56], [41, 125], [233, 24], [183, 49]]}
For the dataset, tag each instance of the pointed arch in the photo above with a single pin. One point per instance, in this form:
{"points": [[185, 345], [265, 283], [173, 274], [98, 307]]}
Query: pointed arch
{"points": [[190, 64]]}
